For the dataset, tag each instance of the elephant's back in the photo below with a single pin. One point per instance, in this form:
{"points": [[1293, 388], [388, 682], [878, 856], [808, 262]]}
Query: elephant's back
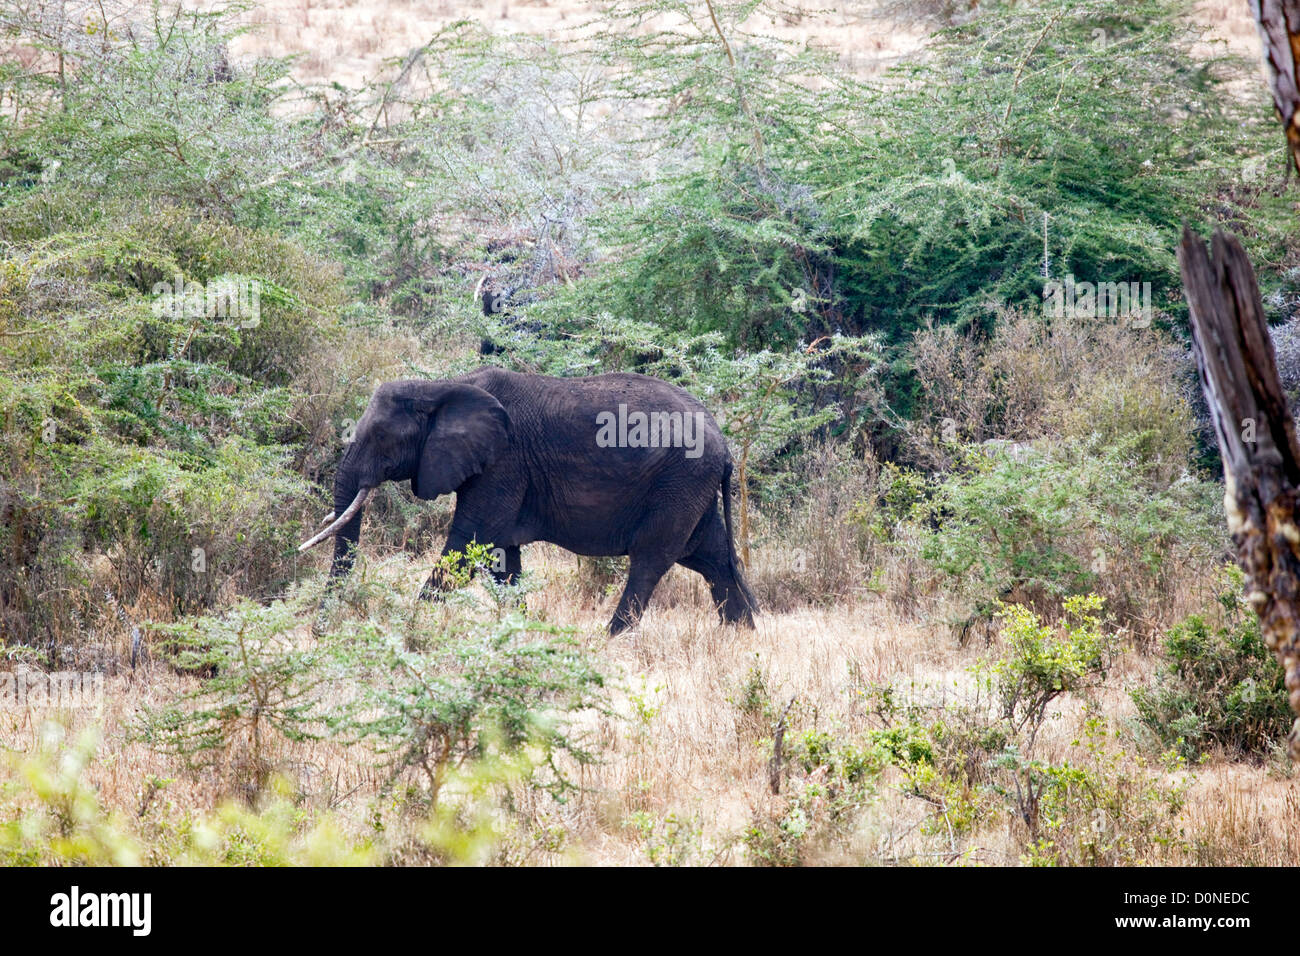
{"points": [[600, 456], [622, 432], [564, 402]]}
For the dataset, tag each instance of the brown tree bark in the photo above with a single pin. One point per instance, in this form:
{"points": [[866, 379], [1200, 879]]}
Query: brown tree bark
{"points": [[1257, 438], [1279, 33]]}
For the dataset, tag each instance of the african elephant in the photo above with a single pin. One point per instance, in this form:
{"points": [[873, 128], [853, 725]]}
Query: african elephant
{"points": [[606, 465]]}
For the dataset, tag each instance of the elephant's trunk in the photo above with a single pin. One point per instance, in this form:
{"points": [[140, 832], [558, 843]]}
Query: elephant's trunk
{"points": [[345, 542], [339, 527], [351, 491], [350, 496]]}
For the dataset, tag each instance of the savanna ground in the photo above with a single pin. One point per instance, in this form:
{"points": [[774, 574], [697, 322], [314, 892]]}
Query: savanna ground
{"points": [[988, 542]]}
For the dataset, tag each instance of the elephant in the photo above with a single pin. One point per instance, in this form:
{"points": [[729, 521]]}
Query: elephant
{"points": [[615, 464]]}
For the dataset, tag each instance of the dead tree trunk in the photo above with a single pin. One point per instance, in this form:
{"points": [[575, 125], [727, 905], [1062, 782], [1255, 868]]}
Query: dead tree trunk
{"points": [[1279, 34], [1257, 438]]}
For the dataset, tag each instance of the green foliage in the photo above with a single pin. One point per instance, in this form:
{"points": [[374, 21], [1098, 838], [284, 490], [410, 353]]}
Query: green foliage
{"points": [[1064, 109], [901, 492], [475, 692], [160, 113], [478, 561], [1102, 809], [480, 824], [54, 818], [52, 815], [435, 697], [1052, 523], [825, 778], [260, 689], [676, 840], [1042, 662], [277, 833], [854, 210], [977, 761], [673, 194], [815, 813], [482, 709], [162, 439], [1220, 689], [753, 699]]}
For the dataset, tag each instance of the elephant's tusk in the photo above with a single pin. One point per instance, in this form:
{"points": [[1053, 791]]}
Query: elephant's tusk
{"points": [[479, 287], [342, 519], [326, 520]]}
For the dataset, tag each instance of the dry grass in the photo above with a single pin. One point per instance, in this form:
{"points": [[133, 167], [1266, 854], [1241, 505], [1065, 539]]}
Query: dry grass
{"points": [[1231, 23], [678, 747], [349, 43], [677, 744]]}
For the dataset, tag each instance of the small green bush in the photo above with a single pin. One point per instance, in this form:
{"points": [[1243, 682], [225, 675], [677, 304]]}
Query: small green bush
{"points": [[1221, 689], [260, 688], [1049, 523], [1042, 661], [53, 817], [1101, 807]]}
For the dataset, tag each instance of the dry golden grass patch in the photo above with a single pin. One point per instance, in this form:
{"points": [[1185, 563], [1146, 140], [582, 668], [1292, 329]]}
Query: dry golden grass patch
{"points": [[349, 43], [678, 750]]}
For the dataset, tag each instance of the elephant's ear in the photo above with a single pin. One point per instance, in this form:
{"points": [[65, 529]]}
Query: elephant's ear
{"points": [[468, 430]]}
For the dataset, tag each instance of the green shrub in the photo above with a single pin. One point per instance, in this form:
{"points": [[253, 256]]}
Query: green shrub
{"points": [[476, 691], [259, 690], [977, 760], [1039, 526], [434, 695], [752, 698], [1041, 661], [159, 445], [1103, 808], [53, 817], [826, 778], [853, 210], [1221, 689], [676, 840], [814, 813]]}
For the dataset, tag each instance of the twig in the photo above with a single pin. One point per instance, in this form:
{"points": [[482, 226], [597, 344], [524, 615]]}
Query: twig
{"points": [[778, 742]]}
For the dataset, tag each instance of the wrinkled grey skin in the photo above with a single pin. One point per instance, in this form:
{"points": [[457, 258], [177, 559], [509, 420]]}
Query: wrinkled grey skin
{"points": [[521, 454]]}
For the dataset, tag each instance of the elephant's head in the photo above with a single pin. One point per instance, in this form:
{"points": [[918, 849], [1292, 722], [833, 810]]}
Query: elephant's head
{"points": [[437, 434]]}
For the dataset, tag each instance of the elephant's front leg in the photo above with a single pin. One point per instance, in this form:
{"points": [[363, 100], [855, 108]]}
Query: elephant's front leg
{"points": [[507, 563], [441, 580]]}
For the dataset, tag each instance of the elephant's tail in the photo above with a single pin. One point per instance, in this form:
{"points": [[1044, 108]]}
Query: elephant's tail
{"points": [[726, 514], [746, 604]]}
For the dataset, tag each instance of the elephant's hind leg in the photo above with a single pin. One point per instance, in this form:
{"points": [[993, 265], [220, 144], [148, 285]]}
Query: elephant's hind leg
{"points": [[644, 572], [711, 559]]}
